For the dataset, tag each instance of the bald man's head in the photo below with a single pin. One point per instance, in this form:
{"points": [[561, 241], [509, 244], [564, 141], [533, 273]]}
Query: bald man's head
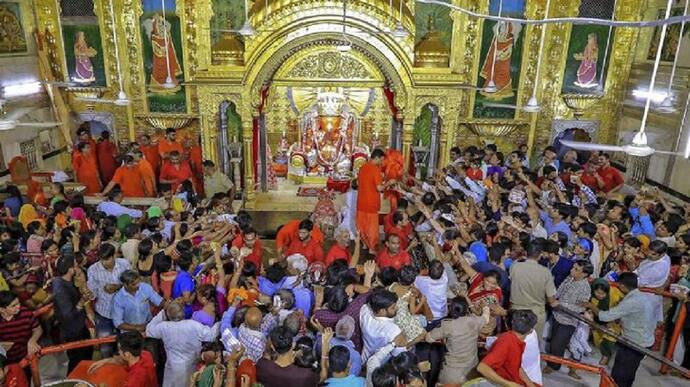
{"points": [[253, 318]]}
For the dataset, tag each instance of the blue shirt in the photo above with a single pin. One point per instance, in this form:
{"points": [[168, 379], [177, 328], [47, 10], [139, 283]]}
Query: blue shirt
{"points": [[560, 271], [14, 204], [349, 381], [226, 321], [641, 225], [134, 308], [479, 250], [552, 227], [183, 283], [355, 357]]}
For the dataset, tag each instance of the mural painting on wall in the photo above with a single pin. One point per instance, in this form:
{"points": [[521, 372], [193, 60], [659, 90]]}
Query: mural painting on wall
{"points": [[162, 47], [12, 35], [500, 59], [584, 68], [227, 14], [442, 22], [671, 40], [82, 39]]}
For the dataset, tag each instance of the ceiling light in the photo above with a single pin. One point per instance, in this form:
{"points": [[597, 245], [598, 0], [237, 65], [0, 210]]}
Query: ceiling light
{"points": [[21, 89], [399, 31], [666, 106]]}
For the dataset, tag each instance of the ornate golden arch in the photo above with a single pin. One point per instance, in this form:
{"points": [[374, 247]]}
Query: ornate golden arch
{"points": [[264, 66]]}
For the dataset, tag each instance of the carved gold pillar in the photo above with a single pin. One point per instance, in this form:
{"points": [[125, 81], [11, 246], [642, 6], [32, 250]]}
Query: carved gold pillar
{"points": [[48, 15], [407, 132], [204, 13], [248, 157]]}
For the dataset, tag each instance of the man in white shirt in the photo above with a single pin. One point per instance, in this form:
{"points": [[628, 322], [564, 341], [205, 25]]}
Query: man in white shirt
{"points": [[435, 288], [113, 207], [182, 340], [653, 273], [377, 325]]}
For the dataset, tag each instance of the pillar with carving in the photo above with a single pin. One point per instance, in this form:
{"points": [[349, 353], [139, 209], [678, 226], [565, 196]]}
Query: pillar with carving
{"points": [[407, 133], [248, 146], [636, 170]]}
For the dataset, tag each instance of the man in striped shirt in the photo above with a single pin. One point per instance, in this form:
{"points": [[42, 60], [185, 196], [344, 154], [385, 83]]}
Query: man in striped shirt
{"points": [[19, 329]]}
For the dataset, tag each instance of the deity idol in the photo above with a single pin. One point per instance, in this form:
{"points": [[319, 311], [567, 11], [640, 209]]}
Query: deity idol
{"points": [[82, 59], [164, 57], [587, 72], [500, 52]]}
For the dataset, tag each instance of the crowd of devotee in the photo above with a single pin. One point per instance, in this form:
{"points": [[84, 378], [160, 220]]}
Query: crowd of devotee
{"points": [[474, 272]]}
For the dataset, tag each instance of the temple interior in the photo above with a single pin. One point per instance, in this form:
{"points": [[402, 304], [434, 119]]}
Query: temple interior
{"points": [[286, 96]]}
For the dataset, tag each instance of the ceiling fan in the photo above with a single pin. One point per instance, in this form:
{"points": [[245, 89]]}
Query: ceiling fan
{"points": [[639, 146], [9, 121]]}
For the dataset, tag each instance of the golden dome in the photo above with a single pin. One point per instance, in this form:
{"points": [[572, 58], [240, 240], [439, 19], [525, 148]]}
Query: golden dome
{"points": [[430, 51], [228, 50]]}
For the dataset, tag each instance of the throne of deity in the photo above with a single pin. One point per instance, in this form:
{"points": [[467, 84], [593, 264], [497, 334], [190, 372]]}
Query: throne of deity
{"points": [[327, 144]]}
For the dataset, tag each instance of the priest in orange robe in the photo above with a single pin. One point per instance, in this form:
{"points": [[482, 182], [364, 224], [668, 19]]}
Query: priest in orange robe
{"points": [[84, 135], [146, 171], [289, 233], [370, 185], [106, 151], [169, 144], [195, 157], [150, 152], [174, 171], [129, 178], [85, 170], [393, 170]]}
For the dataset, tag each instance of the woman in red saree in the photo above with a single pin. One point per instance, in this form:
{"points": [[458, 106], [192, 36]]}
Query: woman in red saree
{"points": [[106, 152], [484, 290]]}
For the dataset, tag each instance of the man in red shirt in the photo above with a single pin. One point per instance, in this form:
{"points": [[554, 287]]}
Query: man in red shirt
{"points": [[388, 218], [590, 177], [341, 249], [402, 228], [612, 177], [289, 232], [503, 364], [393, 256], [305, 244], [19, 327], [249, 239], [141, 371], [175, 171]]}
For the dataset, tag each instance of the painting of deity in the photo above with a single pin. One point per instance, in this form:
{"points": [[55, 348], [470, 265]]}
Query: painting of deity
{"points": [[12, 34], [589, 50], [672, 39], [162, 47], [500, 60], [442, 23], [82, 40], [227, 14], [584, 72]]}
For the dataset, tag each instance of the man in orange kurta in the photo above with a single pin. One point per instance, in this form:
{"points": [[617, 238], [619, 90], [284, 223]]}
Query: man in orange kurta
{"points": [[106, 151], [290, 232], [84, 135], [195, 157], [129, 178], [150, 152], [85, 170], [169, 144], [370, 185], [147, 173]]}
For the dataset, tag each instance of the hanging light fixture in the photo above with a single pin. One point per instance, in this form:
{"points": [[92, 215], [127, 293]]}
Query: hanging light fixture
{"points": [[346, 45], [399, 31], [122, 99], [666, 105], [247, 29], [641, 137], [491, 85], [533, 105], [169, 84]]}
